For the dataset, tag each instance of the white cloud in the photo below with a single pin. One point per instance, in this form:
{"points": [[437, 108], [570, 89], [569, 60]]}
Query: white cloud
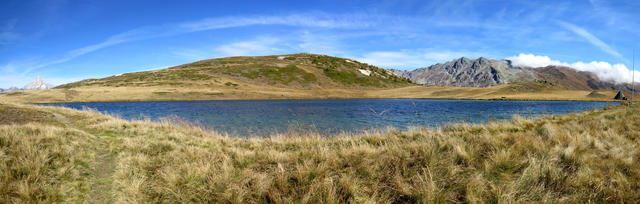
{"points": [[14, 74], [617, 14], [260, 46], [324, 43], [413, 58], [531, 60], [443, 56], [268, 45], [19, 80], [264, 45], [8, 68], [303, 20], [391, 59], [604, 70], [10, 80], [192, 54], [7, 35], [592, 39]]}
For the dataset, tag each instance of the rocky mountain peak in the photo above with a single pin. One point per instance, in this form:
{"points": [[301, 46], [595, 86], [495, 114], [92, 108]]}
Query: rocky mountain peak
{"points": [[483, 60], [37, 84], [461, 62], [463, 71]]}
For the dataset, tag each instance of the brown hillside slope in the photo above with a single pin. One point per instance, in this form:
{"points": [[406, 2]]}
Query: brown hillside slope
{"points": [[569, 78]]}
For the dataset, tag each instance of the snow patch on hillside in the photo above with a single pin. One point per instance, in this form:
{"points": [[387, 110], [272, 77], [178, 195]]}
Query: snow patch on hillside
{"points": [[365, 72]]}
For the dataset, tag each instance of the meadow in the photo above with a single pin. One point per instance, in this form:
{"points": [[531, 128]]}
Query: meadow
{"points": [[239, 90], [53, 154]]}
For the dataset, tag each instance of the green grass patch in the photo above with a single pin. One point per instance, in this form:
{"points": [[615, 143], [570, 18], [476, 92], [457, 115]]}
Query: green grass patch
{"points": [[271, 74], [16, 93], [230, 84], [162, 93], [351, 78]]}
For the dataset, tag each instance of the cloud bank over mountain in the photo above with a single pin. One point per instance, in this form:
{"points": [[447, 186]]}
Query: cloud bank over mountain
{"points": [[606, 71]]}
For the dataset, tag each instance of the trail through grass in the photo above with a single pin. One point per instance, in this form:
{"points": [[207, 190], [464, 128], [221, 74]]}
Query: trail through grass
{"points": [[104, 164], [101, 190]]}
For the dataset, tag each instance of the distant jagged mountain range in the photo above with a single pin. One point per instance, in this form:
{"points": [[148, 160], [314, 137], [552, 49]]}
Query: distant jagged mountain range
{"points": [[483, 72], [36, 84]]}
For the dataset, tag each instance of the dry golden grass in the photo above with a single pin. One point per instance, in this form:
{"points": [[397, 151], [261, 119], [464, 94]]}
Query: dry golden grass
{"points": [[44, 163], [500, 92], [578, 158], [254, 91]]}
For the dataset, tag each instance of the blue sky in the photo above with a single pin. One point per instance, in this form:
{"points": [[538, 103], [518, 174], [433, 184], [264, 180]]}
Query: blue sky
{"points": [[65, 41]]}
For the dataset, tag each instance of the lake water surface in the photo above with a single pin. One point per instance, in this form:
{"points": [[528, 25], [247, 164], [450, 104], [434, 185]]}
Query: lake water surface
{"points": [[330, 116]]}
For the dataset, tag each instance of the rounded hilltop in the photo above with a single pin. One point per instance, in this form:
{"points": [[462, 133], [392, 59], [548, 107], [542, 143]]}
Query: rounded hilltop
{"points": [[301, 70]]}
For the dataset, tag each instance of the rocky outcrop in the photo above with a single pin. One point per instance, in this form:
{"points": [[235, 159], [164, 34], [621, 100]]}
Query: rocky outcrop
{"points": [[481, 72]]}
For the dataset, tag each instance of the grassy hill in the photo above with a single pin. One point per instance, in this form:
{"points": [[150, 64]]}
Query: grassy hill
{"points": [[296, 70], [53, 154]]}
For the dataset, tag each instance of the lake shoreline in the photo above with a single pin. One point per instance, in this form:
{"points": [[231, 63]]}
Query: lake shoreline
{"points": [[331, 98]]}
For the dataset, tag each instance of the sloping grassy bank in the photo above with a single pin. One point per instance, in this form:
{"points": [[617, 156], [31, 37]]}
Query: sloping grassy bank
{"points": [[59, 156]]}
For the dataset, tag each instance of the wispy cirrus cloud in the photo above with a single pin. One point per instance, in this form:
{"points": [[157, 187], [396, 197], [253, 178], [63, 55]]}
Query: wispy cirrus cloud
{"points": [[263, 45], [7, 33], [259, 46], [149, 32], [591, 39], [294, 42], [301, 20], [619, 14], [415, 58], [323, 43], [311, 20], [385, 23]]}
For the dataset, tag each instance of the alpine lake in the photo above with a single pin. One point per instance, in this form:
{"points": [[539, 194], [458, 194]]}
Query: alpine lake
{"points": [[262, 118]]}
